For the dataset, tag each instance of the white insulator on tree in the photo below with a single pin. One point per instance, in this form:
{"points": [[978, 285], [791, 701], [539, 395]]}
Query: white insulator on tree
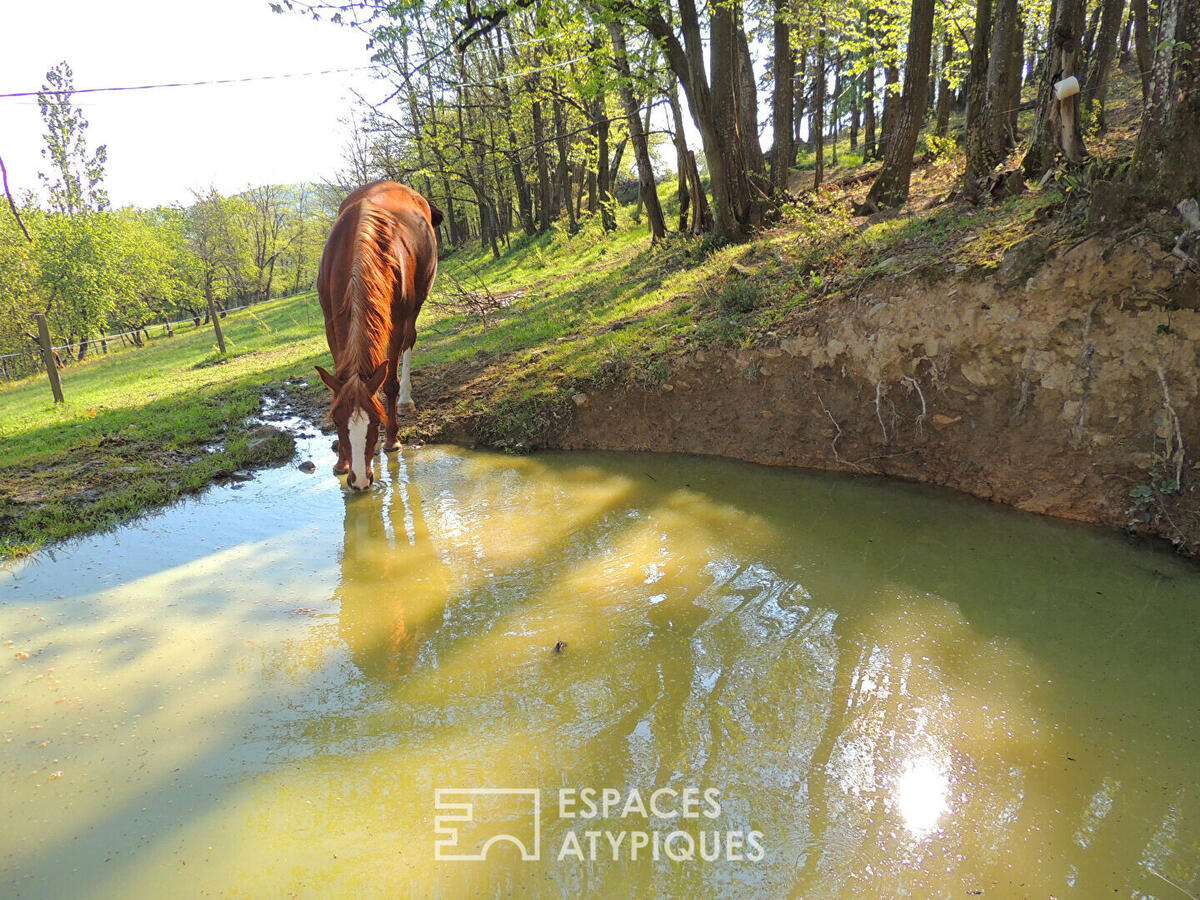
{"points": [[1068, 87]]}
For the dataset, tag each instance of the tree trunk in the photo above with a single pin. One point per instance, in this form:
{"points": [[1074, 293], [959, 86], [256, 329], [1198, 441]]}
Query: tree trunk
{"points": [[869, 148], [521, 184], [945, 95], [489, 210], [995, 111], [524, 199], [892, 184], [1166, 162], [747, 96], [800, 99], [781, 99], [702, 221], [935, 67], [1126, 34], [646, 130], [581, 179], [1012, 101], [543, 167], [891, 107], [714, 109], [681, 153], [1100, 64], [614, 168], [564, 163], [485, 224], [835, 106], [637, 136], [453, 217], [608, 219], [1056, 126], [977, 80], [816, 128], [1141, 44], [1035, 54], [855, 111], [737, 210], [1087, 45]]}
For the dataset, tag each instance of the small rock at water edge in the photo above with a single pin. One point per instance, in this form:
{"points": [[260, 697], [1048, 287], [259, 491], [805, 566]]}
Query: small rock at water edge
{"points": [[259, 437], [308, 467], [560, 646]]}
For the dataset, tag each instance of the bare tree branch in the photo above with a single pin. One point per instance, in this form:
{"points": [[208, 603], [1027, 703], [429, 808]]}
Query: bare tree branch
{"points": [[12, 203]]}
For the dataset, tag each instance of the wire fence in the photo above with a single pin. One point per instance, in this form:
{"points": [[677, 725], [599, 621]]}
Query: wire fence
{"points": [[28, 362]]}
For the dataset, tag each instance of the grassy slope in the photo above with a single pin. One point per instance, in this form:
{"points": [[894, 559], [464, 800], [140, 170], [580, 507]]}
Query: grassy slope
{"points": [[142, 426], [555, 314], [607, 312]]}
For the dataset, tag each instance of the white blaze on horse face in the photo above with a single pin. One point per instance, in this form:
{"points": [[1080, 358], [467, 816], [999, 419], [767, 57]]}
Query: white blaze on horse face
{"points": [[405, 383], [358, 449]]}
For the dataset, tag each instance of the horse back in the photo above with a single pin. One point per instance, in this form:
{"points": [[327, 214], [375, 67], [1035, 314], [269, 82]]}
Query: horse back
{"points": [[413, 247]]}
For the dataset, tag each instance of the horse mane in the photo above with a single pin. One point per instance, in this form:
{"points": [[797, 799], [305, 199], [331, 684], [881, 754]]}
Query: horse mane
{"points": [[367, 302]]}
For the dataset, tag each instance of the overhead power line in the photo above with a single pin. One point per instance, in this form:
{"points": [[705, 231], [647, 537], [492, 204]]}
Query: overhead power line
{"points": [[179, 84], [15, 95]]}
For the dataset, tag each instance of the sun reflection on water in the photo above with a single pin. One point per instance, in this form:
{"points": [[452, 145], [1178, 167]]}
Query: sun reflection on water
{"points": [[921, 793]]}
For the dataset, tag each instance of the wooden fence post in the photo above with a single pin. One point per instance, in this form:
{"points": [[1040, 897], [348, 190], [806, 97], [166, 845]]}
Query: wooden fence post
{"points": [[212, 314], [48, 357]]}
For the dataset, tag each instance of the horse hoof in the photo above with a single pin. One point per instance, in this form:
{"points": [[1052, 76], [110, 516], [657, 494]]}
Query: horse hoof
{"points": [[408, 409], [392, 447]]}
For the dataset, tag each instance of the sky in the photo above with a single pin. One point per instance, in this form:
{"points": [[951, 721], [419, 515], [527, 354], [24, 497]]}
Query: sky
{"points": [[163, 144]]}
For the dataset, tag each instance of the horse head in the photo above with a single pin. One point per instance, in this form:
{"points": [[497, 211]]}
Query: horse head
{"points": [[356, 412]]}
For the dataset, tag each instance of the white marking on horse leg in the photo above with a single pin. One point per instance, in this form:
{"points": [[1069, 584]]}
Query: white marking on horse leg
{"points": [[358, 449], [405, 401]]}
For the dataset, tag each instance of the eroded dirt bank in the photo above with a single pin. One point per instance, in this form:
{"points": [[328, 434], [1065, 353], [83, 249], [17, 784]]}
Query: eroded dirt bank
{"points": [[1071, 392]]}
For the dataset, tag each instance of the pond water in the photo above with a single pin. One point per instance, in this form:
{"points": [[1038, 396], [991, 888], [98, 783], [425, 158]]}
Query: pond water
{"points": [[774, 684]]}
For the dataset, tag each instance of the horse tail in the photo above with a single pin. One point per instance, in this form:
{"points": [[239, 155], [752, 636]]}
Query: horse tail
{"points": [[368, 299]]}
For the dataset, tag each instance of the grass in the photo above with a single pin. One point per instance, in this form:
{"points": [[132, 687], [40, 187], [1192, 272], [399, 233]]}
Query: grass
{"points": [[142, 427], [147, 394], [557, 314]]}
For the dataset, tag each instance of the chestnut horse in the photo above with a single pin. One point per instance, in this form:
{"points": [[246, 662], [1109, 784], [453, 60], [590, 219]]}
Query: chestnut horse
{"points": [[376, 271]]}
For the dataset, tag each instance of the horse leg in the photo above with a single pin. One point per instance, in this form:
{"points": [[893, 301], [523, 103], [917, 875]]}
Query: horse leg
{"points": [[390, 390], [406, 401], [410, 337], [342, 466]]}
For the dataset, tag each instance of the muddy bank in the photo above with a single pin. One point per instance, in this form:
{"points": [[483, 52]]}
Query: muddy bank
{"points": [[1071, 392]]}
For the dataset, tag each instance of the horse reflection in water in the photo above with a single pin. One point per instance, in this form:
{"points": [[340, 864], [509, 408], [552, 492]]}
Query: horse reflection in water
{"points": [[393, 584]]}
